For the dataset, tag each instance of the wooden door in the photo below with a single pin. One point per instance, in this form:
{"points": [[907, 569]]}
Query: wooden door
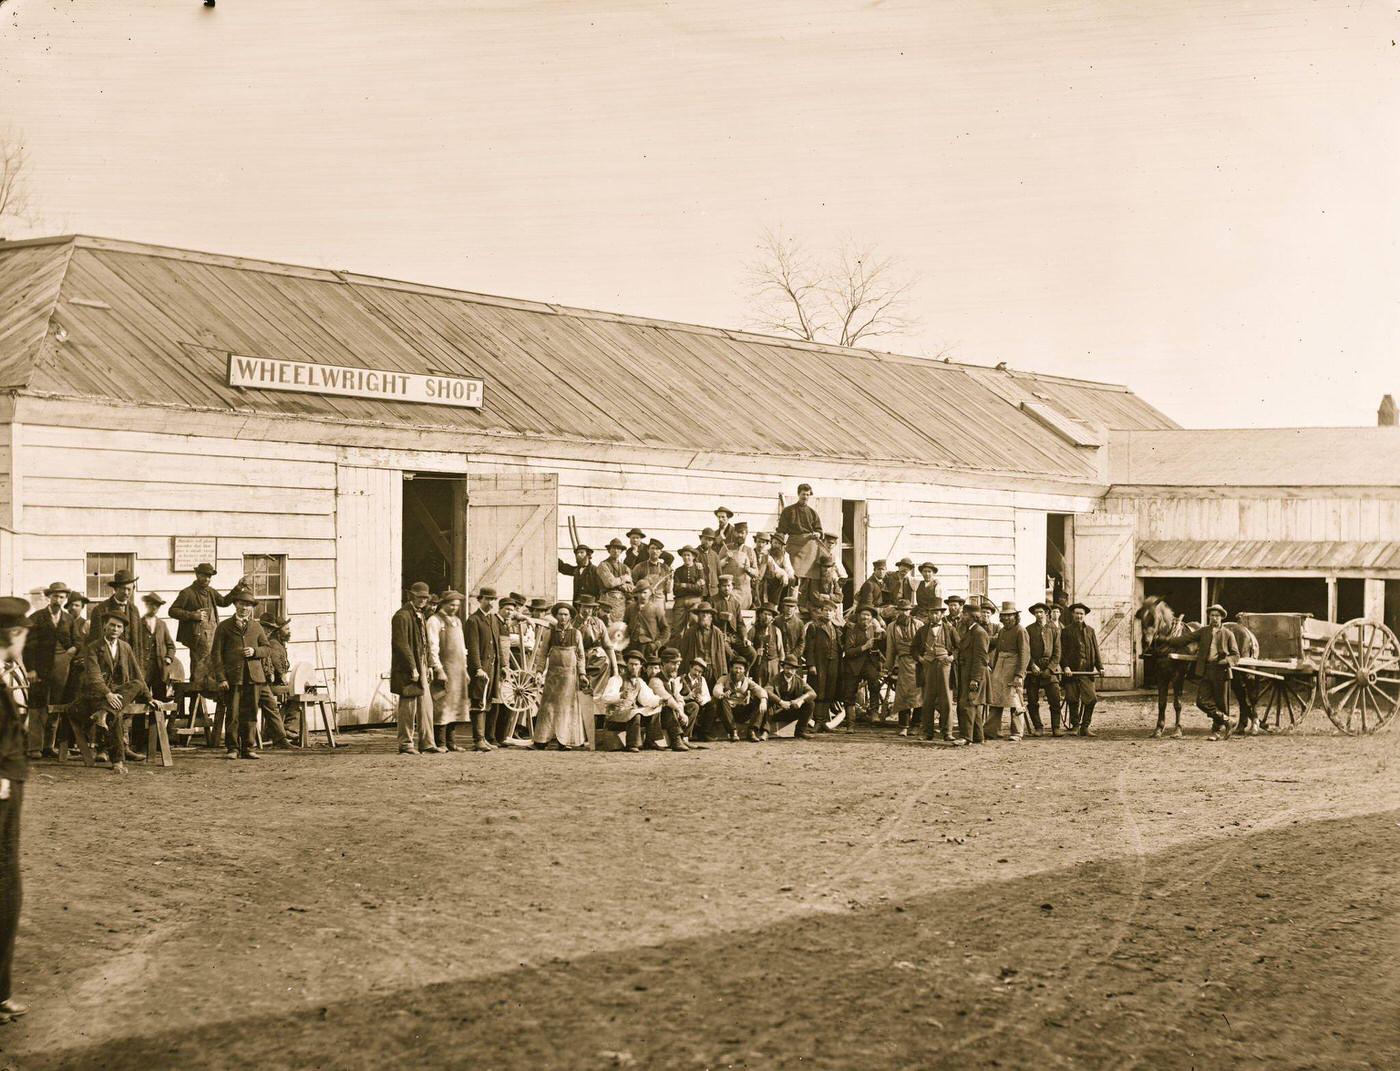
{"points": [[513, 534], [1104, 559]]}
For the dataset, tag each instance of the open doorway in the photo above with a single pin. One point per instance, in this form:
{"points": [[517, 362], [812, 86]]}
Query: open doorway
{"points": [[434, 530], [1271, 594], [1351, 598], [1057, 583]]}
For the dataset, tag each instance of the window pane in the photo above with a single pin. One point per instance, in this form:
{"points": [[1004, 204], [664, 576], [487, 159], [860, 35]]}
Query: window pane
{"points": [[101, 568], [977, 579], [267, 574]]}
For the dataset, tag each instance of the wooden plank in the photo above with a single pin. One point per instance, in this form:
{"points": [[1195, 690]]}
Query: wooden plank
{"points": [[79, 461], [200, 446], [63, 520], [369, 527], [102, 495]]}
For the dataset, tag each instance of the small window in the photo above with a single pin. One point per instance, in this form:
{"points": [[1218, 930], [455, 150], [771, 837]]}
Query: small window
{"points": [[101, 568], [977, 580], [268, 574]]}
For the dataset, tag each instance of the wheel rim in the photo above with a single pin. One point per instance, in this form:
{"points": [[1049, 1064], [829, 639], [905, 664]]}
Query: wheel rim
{"points": [[1360, 677], [1286, 701]]}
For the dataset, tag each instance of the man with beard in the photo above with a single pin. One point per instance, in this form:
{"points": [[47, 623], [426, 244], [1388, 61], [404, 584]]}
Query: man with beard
{"points": [[971, 667], [703, 640], [860, 662], [1043, 673], [934, 646], [48, 649], [900, 661], [584, 574], [1083, 664]]}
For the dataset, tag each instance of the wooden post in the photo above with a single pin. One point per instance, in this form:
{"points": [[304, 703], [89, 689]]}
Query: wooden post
{"points": [[1331, 598], [1205, 597]]}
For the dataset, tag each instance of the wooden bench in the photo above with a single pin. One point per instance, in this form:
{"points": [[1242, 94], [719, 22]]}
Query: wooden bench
{"points": [[157, 737]]}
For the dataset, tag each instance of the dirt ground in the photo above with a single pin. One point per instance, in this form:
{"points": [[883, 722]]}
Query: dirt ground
{"points": [[848, 902]]}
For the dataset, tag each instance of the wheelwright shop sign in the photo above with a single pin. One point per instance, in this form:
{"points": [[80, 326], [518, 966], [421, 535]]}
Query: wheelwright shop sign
{"points": [[266, 373]]}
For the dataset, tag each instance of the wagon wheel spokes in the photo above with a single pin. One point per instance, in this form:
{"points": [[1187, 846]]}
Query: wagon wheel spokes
{"points": [[1291, 697], [1359, 677]]}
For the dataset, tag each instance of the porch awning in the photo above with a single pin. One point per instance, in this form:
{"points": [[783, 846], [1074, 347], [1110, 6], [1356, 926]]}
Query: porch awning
{"points": [[1283, 555]]}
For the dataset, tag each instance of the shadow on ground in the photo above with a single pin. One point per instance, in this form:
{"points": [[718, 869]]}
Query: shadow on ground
{"points": [[1278, 949]]}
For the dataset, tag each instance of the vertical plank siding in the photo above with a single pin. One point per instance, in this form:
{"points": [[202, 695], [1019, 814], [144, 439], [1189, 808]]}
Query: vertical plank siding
{"points": [[368, 573]]}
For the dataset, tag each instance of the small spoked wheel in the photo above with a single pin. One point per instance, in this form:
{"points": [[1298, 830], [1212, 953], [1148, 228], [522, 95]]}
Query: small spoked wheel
{"points": [[524, 687], [1359, 677], [1282, 704]]}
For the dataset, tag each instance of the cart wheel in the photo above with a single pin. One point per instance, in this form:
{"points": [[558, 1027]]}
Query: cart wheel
{"points": [[1360, 677], [1287, 701], [525, 686]]}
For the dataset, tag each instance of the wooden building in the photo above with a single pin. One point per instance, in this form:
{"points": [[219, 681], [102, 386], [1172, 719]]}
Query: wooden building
{"points": [[1263, 519], [130, 438]]}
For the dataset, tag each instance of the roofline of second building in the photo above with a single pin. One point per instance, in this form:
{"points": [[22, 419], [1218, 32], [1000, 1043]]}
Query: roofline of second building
{"points": [[349, 278]]}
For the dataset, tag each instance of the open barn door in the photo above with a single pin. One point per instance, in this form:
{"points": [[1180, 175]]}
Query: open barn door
{"points": [[1104, 557], [513, 534]]}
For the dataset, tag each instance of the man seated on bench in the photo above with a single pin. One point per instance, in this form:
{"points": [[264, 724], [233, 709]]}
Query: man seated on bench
{"points": [[112, 681]]}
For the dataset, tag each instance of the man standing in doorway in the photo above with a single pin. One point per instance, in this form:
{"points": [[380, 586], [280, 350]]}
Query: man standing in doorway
{"points": [[410, 674]]}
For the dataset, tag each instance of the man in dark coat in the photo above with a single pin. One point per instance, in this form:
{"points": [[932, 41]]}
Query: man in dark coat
{"points": [[791, 625], [485, 665], [112, 680], [200, 602], [648, 628], [158, 648], [122, 603], [14, 771], [636, 551], [1043, 673], [237, 664], [707, 557], [899, 585], [1083, 664], [927, 590], [410, 674], [821, 652], [48, 650], [1217, 652], [277, 668], [689, 587], [973, 678], [705, 640], [860, 661], [789, 695], [872, 591], [935, 644], [584, 574]]}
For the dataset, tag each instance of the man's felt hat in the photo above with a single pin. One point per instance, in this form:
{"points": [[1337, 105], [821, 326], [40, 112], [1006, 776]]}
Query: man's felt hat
{"points": [[616, 544], [583, 547], [123, 576], [901, 604], [152, 598], [1215, 606], [654, 542], [669, 654], [634, 654], [1079, 606], [636, 532], [205, 569], [929, 566], [956, 598], [274, 622], [698, 661], [58, 587], [689, 550], [14, 612], [905, 561], [934, 603], [484, 593], [707, 533], [702, 608], [562, 606], [1008, 608], [78, 598], [586, 602], [878, 562], [725, 510], [419, 588], [791, 660], [449, 595], [1039, 606], [244, 597], [765, 608]]}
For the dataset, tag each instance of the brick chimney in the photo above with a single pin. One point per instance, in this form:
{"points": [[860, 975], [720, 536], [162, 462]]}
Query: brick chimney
{"points": [[1387, 416]]}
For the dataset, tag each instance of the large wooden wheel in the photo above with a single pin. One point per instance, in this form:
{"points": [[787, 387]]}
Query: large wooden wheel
{"points": [[1359, 677], [1286, 701], [522, 693]]}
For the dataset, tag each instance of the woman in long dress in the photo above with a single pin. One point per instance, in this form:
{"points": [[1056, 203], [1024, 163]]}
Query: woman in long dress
{"points": [[447, 655], [560, 648]]}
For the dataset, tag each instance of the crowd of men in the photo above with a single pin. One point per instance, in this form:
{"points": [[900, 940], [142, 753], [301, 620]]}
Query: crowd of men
{"points": [[97, 667], [736, 642]]}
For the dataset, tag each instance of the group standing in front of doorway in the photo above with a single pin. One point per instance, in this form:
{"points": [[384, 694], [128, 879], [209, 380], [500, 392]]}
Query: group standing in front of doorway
{"points": [[737, 640]]}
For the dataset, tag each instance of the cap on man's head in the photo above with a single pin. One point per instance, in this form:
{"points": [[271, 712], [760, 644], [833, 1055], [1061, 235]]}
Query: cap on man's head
{"points": [[616, 544], [654, 542], [1039, 606], [1216, 608], [584, 548], [58, 587], [905, 561], [670, 654], [484, 594], [878, 562], [205, 569], [419, 588], [688, 550], [14, 612]]}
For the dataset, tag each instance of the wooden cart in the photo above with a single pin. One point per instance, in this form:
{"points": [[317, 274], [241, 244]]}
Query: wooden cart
{"points": [[1294, 660]]}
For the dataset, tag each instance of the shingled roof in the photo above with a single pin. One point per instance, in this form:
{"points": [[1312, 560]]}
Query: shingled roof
{"points": [[93, 318]]}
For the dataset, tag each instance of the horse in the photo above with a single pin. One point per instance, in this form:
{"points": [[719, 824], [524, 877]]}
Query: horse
{"points": [[1160, 625]]}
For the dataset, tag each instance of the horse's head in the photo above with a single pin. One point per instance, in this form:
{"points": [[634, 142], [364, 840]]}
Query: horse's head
{"points": [[1156, 618]]}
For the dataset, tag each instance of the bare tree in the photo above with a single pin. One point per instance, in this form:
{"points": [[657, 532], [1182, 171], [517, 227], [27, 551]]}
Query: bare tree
{"points": [[14, 193], [853, 295]]}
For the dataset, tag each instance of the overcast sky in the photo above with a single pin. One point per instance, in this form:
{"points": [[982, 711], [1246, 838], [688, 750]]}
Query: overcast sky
{"points": [[1199, 199]]}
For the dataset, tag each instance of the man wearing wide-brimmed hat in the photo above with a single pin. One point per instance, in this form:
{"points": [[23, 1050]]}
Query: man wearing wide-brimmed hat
{"points": [[1217, 651], [821, 653], [614, 577], [410, 672], [861, 662], [927, 590], [485, 667], [689, 587], [903, 666], [200, 603], [122, 603], [636, 551], [703, 639], [1083, 665], [934, 647], [898, 585], [584, 573], [970, 665], [48, 650], [1010, 656], [1043, 673], [274, 698], [239, 649]]}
